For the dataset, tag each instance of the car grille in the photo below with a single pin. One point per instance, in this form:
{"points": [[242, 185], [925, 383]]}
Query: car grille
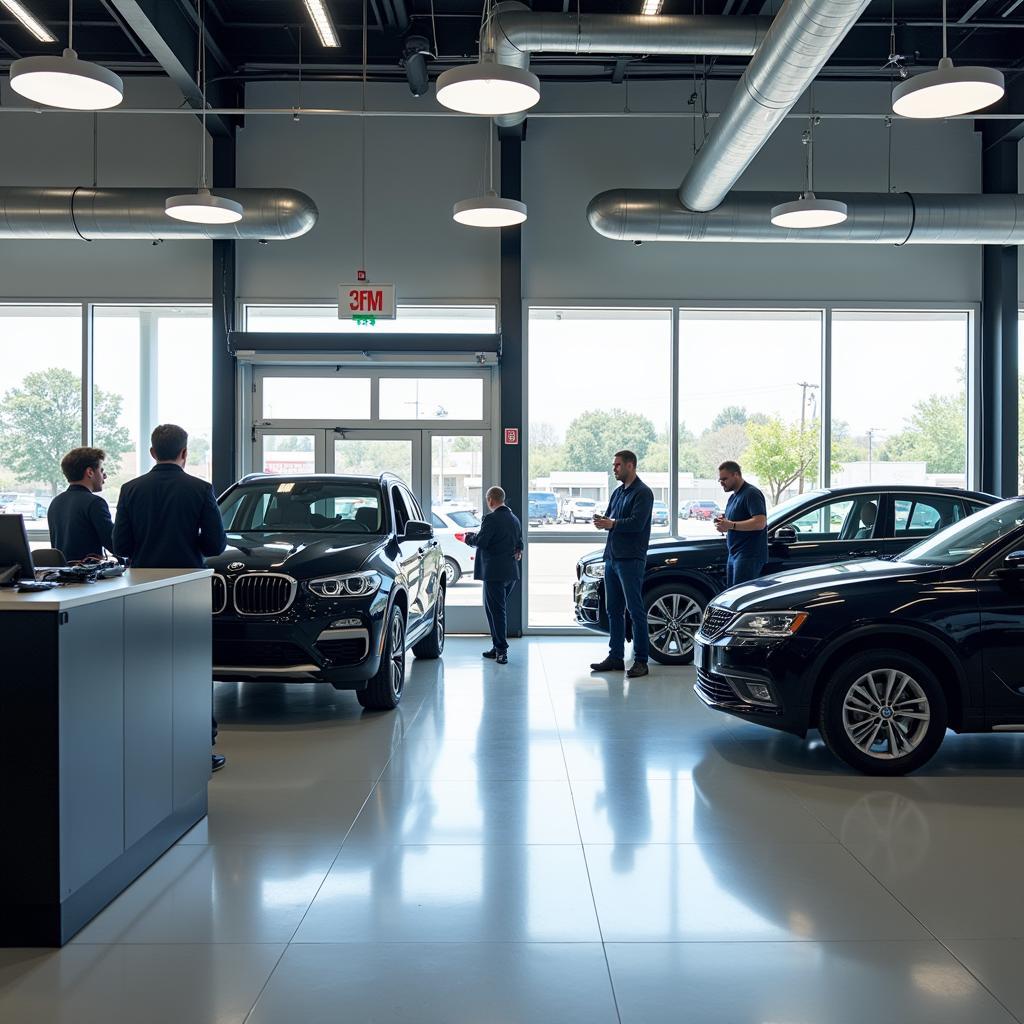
{"points": [[349, 651], [263, 593], [258, 654], [715, 622], [220, 594], [718, 691]]}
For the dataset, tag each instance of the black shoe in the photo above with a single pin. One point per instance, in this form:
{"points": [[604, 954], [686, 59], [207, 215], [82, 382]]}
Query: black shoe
{"points": [[638, 668], [492, 654], [609, 664], [219, 760], [502, 658]]}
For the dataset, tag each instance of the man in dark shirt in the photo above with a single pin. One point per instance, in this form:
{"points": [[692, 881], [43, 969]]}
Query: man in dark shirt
{"points": [[745, 525], [499, 546], [628, 522], [168, 519], [79, 519]]}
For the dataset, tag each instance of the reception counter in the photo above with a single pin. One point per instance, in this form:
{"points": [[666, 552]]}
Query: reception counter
{"points": [[105, 694]]}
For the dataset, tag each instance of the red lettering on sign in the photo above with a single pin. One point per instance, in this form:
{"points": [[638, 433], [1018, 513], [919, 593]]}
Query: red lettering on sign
{"points": [[353, 300], [375, 301]]}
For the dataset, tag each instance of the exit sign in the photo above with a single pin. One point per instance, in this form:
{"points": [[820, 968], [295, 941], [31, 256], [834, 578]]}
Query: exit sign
{"points": [[366, 302]]}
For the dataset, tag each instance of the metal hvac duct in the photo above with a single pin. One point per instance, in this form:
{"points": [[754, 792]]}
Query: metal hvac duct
{"points": [[271, 214], [803, 36], [656, 215], [515, 32]]}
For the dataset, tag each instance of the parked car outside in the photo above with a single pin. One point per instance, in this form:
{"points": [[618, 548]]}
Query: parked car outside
{"points": [[542, 508], [880, 656], [659, 514], [703, 510], [451, 524], [818, 528], [26, 505], [579, 510], [326, 578]]}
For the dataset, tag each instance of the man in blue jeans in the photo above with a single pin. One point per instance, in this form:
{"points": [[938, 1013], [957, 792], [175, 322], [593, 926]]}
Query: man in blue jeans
{"points": [[745, 525], [628, 522]]}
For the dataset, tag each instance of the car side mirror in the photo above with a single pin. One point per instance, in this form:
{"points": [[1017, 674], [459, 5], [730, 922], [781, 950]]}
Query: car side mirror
{"points": [[784, 535], [416, 529], [1014, 561]]}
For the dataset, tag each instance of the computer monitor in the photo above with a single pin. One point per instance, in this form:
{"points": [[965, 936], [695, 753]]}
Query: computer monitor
{"points": [[14, 549]]}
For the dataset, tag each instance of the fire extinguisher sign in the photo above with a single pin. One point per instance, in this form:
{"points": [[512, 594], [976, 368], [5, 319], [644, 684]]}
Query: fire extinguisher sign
{"points": [[511, 435]]}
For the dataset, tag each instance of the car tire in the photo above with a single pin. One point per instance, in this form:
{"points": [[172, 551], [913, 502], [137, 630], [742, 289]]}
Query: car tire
{"points": [[384, 691], [452, 571], [666, 605], [861, 682], [432, 645]]}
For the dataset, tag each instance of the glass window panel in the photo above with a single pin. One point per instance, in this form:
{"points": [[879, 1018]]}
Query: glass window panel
{"points": [[431, 398], [40, 400], [151, 366], [919, 515], [899, 397], [457, 476], [323, 319], [288, 454], [372, 457], [316, 398], [749, 391], [551, 573], [828, 522]]}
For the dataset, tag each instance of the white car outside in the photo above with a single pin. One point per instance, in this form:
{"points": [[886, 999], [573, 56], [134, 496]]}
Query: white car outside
{"points": [[579, 510], [451, 524]]}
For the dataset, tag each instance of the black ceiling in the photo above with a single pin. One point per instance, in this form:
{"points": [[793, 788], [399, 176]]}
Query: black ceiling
{"points": [[259, 39]]}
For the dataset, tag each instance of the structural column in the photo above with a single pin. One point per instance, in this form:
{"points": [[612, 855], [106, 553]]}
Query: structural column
{"points": [[222, 441]]}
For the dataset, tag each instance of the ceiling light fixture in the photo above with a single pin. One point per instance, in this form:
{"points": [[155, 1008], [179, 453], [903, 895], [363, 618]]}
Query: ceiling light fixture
{"points": [[487, 87], [202, 206], [947, 91], [66, 81], [322, 22], [489, 210], [30, 21], [807, 210], [652, 7]]}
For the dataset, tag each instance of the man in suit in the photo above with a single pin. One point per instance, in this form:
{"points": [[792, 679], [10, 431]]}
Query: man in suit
{"points": [[628, 522], [168, 519], [499, 546], [78, 518]]}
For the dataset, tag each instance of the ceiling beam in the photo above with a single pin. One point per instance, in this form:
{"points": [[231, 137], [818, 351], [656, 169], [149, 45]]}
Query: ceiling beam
{"points": [[994, 132], [168, 31]]}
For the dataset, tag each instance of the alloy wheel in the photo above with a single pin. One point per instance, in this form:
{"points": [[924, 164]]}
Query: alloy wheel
{"points": [[449, 573], [886, 714], [440, 620], [397, 655], [672, 622]]}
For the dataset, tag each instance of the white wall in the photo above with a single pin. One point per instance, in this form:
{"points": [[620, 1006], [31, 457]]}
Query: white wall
{"points": [[57, 149]]}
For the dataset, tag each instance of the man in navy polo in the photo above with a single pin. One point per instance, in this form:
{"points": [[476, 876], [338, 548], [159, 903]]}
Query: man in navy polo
{"points": [[745, 525], [628, 522]]}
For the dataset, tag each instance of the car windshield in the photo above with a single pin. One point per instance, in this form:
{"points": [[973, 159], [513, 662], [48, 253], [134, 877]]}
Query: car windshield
{"points": [[784, 508], [466, 519], [303, 506], [960, 541]]}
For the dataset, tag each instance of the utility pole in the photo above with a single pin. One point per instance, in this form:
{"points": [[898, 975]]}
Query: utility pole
{"points": [[871, 446], [804, 386]]}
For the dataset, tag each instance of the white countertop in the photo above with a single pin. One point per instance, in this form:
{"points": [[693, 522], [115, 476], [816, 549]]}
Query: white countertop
{"points": [[72, 595]]}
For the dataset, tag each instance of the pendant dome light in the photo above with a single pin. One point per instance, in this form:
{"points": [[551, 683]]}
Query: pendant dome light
{"points": [[808, 211], [202, 206], [489, 210], [487, 87], [947, 91], [66, 81]]}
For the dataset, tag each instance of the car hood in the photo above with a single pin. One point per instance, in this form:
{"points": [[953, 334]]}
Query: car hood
{"points": [[696, 551], [804, 588], [299, 555]]}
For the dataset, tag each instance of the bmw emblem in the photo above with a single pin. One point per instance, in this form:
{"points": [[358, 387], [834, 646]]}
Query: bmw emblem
{"points": [[236, 566]]}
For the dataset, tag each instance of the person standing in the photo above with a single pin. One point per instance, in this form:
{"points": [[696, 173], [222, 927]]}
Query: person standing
{"points": [[168, 519], [78, 518], [628, 522], [499, 545], [745, 525]]}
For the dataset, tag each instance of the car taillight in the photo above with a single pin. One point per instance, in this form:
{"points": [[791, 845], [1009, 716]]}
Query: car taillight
{"points": [[461, 538]]}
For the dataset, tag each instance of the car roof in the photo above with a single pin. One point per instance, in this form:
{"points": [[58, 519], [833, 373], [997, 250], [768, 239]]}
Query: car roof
{"points": [[355, 478], [869, 488]]}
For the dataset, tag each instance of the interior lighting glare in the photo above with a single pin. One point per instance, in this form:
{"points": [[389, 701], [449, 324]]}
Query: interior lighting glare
{"points": [[66, 82], [322, 22], [652, 7], [30, 21], [947, 91], [202, 207], [809, 212], [489, 211], [488, 88]]}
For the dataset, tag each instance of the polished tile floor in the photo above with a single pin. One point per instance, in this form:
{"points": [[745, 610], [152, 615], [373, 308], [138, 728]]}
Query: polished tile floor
{"points": [[532, 844]]}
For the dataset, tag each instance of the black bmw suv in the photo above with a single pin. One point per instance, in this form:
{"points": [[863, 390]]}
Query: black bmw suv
{"points": [[327, 578], [880, 656], [812, 529]]}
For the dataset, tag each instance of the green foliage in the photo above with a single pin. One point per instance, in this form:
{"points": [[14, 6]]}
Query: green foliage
{"points": [[780, 454], [936, 434], [40, 421], [594, 437], [731, 415], [718, 446]]}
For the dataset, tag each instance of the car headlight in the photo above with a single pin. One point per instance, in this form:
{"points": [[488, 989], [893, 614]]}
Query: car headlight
{"points": [[767, 624], [595, 569], [351, 584]]}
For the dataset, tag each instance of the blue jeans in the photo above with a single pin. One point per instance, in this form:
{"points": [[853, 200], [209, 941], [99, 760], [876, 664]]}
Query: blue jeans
{"points": [[742, 569], [623, 589]]}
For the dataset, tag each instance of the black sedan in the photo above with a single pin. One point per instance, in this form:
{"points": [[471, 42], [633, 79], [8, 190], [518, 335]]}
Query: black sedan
{"points": [[327, 578], [813, 529], [880, 656]]}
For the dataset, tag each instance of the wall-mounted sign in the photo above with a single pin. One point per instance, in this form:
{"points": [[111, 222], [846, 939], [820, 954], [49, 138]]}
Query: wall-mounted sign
{"points": [[511, 435], [366, 302]]}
